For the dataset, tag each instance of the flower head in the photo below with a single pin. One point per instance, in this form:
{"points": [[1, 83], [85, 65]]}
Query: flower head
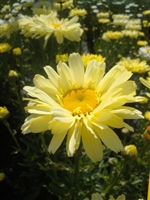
{"points": [[61, 57], [81, 104], [111, 35], [77, 12], [134, 65], [4, 47], [46, 25], [87, 58]]}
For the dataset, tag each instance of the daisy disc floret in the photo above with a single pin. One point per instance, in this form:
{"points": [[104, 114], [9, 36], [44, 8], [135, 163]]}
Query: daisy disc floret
{"points": [[81, 105]]}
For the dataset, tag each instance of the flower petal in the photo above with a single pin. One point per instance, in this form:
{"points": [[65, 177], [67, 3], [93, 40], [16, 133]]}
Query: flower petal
{"points": [[52, 75], [110, 139], [36, 124], [92, 145], [114, 77], [94, 73], [45, 85], [73, 139], [77, 68], [56, 141]]}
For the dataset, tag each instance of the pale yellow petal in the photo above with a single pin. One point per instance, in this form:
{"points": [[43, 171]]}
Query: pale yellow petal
{"points": [[56, 141], [110, 139], [73, 139], [39, 94], [66, 77], [52, 75], [92, 145], [94, 73], [45, 85], [114, 77], [36, 124], [62, 115], [126, 112], [40, 109], [77, 68], [115, 122]]}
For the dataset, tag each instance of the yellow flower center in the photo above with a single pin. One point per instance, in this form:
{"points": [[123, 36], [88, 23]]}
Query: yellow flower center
{"points": [[81, 101], [56, 25]]}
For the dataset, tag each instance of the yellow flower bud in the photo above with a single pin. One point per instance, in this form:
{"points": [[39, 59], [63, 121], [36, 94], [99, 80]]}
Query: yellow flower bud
{"points": [[131, 151], [4, 113], [17, 51], [12, 73]]}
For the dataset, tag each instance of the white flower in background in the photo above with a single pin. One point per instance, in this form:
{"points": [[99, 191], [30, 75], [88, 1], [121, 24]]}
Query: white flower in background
{"points": [[144, 53]]}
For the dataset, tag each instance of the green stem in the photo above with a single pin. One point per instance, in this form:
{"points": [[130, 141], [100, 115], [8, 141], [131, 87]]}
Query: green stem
{"points": [[13, 137], [116, 178], [18, 97], [44, 144], [76, 172]]}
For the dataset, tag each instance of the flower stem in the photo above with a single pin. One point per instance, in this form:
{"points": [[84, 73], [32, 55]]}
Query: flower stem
{"points": [[116, 178], [44, 144], [13, 136], [76, 172]]}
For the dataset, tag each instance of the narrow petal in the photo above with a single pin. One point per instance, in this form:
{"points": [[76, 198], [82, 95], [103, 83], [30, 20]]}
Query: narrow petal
{"points": [[114, 77], [52, 75], [45, 85], [40, 109], [39, 94], [94, 73], [73, 139], [77, 68], [62, 115], [92, 145], [36, 124], [66, 75], [110, 139], [127, 112], [56, 141]]}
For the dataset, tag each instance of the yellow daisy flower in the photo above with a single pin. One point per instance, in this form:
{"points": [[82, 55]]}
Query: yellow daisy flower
{"points": [[46, 25], [87, 58], [81, 104], [62, 57], [134, 65], [77, 12], [4, 47], [111, 35]]}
